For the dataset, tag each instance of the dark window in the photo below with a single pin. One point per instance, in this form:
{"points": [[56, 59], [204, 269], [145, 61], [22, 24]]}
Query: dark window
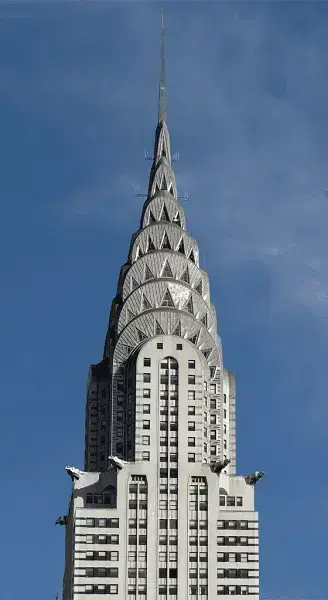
{"points": [[191, 379], [179, 346], [191, 364], [162, 573], [173, 573], [147, 362], [159, 346], [146, 377]]}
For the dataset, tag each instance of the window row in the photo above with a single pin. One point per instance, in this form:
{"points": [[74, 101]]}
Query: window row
{"points": [[97, 572], [142, 523], [235, 590], [94, 555], [132, 573], [108, 523], [194, 505], [170, 573], [98, 539], [236, 573], [98, 499], [134, 504], [234, 525], [230, 501], [96, 589], [165, 472], [236, 541], [165, 523], [236, 557]]}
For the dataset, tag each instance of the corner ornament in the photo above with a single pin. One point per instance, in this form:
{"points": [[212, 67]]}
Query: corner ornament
{"points": [[254, 477], [218, 465]]}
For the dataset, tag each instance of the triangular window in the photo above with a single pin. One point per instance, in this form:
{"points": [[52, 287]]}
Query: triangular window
{"points": [[163, 151], [164, 214], [138, 253], [129, 349], [151, 218], [167, 300], [177, 329], [194, 339], [166, 242], [170, 188], [206, 353], [148, 274], [192, 256], [189, 307], [199, 287], [177, 219], [158, 329], [204, 320], [145, 303], [134, 283], [129, 315], [164, 183], [142, 336], [167, 272], [150, 245], [157, 188], [212, 372], [185, 276], [181, 247]]}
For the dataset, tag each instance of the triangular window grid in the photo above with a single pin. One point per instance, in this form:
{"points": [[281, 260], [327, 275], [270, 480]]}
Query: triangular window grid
{"points": [[185, 276], [167, 271], [142, 336], [167, 299], [199, 287], [189, 306], [177, 219], [204, 320], [145, 303], [158, 329], [166, 242], [129, 315], [134, 283], [206, 352], [177, 329], [151, 218], [148, 273], [194, 339], [164, 214], [151, 245], [192, 256], [181, 247]]}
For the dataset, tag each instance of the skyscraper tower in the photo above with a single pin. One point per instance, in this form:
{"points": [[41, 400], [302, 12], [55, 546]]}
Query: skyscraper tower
{"points": [[159, 513]]}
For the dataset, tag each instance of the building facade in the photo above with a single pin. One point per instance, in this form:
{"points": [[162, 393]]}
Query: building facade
{"points": [[159, 512]]}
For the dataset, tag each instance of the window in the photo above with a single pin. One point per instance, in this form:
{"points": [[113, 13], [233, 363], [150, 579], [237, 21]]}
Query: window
{"points": [[146, 377], [191, 441], [231, 501], [113, 588], [145, 440], [225, 398], [191, 457], [191, 394], [191, 364], [191, 379], [159, 346], [179, 346], [191, 426], [102, 522], [191, 410], [147, 362], [146, 424], [225, 413], [222, 500], [213, 388], [239, 501], [146, 455], [146, 393], [146, 409]]}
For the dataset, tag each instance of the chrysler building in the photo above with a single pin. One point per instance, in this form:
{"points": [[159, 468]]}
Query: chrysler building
{"points": [[159, 513]]}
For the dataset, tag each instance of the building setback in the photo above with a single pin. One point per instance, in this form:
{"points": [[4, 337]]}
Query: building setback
{"points": [[159, 512]]}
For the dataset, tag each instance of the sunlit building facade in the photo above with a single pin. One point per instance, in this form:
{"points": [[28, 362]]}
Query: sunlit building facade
{"points": [[159, 512]]}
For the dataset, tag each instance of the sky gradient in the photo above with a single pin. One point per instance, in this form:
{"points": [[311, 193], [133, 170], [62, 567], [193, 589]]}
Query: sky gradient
{"points": [[248, 112]]}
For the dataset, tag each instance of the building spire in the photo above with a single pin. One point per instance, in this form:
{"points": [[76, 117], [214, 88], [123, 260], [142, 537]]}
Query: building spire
{"points": [[162, 78]]}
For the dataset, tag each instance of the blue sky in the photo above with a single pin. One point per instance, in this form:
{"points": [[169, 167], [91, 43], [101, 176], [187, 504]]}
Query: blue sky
{"points": [[248, 112]]}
